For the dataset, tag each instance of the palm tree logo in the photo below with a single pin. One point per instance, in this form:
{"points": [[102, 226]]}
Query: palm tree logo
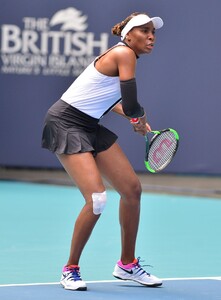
{"points": [[70, 18]]}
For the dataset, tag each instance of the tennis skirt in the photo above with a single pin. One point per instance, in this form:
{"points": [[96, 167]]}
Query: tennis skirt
{"points": [[68, 130]]}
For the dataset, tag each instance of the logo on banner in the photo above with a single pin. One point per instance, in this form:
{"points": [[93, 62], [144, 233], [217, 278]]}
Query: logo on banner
{"points": [[59, 46]]}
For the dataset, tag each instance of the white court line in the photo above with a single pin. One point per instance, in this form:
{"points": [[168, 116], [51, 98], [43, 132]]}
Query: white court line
{"points": [[193, 278], [108, 281]]}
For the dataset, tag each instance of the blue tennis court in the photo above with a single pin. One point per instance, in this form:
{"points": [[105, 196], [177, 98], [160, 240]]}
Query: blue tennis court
{"points": [[191, 289], [179, 236]]}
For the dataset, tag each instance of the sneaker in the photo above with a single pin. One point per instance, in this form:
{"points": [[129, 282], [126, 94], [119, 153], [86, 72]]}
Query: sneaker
{"points": [[134, 272], [71, 278]]}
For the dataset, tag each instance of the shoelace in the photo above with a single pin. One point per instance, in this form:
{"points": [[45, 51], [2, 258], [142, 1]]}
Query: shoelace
{"points": [[74, 274], [138, 266]]}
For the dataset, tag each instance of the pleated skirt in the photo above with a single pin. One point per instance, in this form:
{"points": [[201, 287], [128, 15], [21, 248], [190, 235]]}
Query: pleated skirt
{"points": [[67, 131]]}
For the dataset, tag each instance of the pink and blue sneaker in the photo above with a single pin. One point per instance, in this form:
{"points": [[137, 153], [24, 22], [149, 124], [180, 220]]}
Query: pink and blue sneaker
{"points": [[135, 272], [71, 278]]}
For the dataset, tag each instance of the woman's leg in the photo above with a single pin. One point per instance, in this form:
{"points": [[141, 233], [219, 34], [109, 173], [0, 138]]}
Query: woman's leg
{"points": [[116, 168], [85, 174]]}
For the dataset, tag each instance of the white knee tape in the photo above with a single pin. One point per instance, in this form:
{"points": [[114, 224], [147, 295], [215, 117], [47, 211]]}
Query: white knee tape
{"points": [[99, 202]]}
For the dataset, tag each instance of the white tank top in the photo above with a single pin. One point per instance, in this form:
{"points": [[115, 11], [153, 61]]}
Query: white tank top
{"points": [[93, 92]]}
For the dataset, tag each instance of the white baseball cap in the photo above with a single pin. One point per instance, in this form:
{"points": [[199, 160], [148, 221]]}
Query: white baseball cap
{"points": [[141, 20]]}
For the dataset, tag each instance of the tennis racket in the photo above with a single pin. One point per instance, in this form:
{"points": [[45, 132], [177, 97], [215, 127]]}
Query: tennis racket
{"points": [[160, 149]]}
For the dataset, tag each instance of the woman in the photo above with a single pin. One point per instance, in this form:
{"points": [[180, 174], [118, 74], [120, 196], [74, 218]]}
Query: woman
{"points": [[88, 151]]}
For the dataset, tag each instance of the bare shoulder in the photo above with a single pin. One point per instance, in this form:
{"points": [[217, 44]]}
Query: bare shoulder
{"points": [[126, 62], [119, 61], [123, 53]]}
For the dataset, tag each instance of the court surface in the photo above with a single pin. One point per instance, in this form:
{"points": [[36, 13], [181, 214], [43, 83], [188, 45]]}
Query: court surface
{"points": [[179, 236], [197, 289]]}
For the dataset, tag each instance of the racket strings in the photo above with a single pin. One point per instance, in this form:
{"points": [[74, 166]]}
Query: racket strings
{"points": [[162, 150]]}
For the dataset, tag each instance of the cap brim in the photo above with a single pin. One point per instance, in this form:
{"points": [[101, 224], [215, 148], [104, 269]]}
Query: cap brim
{"points": [[157, 22]]}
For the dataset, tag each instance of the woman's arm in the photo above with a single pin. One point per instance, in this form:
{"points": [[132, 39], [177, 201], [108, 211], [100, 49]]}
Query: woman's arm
{"points": [[140, 127], [119, 110], [129, 106]]}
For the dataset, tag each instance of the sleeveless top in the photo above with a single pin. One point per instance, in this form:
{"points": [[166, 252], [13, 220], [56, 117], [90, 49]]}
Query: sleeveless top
{"points": [[93, 92]]}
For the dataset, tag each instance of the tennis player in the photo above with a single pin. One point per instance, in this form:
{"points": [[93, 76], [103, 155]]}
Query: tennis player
{"points": [[88, 151]]}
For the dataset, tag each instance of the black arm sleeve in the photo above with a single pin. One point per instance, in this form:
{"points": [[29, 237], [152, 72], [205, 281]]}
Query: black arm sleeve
{"points": [[130, 105]]}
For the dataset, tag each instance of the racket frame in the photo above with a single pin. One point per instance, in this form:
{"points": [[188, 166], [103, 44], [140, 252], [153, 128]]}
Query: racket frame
{"points": [[149, 143]]}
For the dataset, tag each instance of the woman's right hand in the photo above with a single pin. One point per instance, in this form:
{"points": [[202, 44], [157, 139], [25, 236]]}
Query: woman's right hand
{"points": [[141, 125]]}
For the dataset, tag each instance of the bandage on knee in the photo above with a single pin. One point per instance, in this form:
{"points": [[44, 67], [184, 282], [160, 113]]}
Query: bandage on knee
{"points": [[99, 202]]}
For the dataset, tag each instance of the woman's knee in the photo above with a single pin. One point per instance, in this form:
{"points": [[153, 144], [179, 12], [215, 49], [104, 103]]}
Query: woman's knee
{"points": [[133, 192], [96, 202]]}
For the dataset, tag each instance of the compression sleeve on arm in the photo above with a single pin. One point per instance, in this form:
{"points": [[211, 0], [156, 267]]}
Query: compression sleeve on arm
{"points": [[130, 104]]}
